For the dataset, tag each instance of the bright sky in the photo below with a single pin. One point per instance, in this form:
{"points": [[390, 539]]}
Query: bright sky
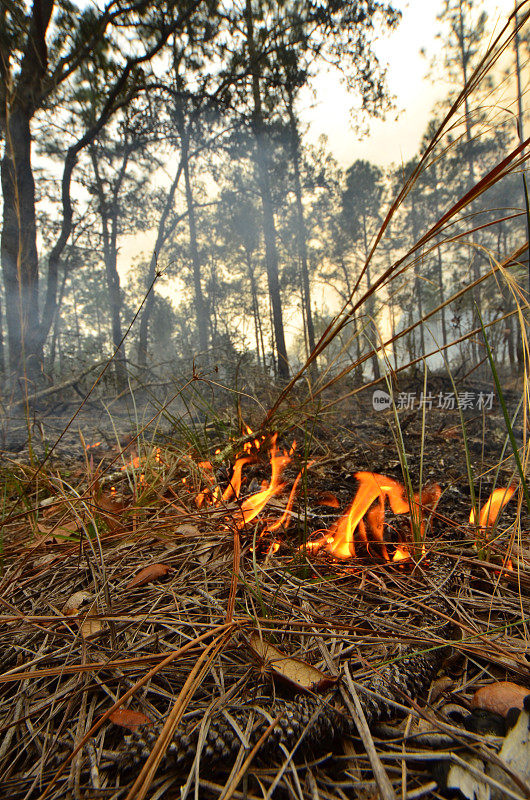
{"points": [[393, 140]]}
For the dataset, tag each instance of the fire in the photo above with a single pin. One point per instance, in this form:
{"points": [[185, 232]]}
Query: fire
{"points": [[134, 463], [234, 485], [252, 506], [489, 512], [369, 501], [286, 516]]}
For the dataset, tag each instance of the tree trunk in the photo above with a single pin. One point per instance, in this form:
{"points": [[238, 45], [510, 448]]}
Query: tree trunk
{"points": [[20, 264], [475, 266], [115, 303], [269, 227], [520, 119], [201, 311], [2, 353], [151, 274], [370, 306], [109, 212], [301, 231], [258, 334], [57, 323]]}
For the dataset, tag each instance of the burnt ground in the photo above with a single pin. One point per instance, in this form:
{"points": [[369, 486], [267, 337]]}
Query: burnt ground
{"points": [[344, 438], [47, 579]]}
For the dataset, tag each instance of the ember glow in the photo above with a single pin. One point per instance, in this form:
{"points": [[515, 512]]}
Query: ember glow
{"points": [[490, 511], [134, 463]]}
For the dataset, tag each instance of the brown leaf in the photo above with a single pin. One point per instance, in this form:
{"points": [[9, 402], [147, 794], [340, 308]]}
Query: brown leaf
{"points": [[127, 718], [500, 697], [75, 601], [438, 687], [90, 626], [327, 499], [67, 531], [294, 671], [148, 574], [110, 503], [187, 529]]}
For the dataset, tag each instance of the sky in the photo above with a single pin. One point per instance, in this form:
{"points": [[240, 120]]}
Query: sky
{"points": [[392, 140]]}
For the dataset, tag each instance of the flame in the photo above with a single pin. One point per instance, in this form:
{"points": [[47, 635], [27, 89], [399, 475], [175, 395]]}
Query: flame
{"points": [[90, 446], [286, 516], [375, 487], [252, 506], [134, 463], [234, 485], [489, 512], [402, 554]]}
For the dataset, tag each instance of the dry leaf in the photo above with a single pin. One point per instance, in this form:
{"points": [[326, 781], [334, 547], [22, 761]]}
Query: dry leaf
{"points": [[327, 499], [148, 574], [65, 531], [126, 718], [500, 697], [110, 503], [438, 687], [90, 626], [298, 673], [515, 753], [75, 601], [187, 529]]}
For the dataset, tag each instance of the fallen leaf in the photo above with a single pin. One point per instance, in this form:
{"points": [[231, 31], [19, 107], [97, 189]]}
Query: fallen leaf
{"points": [[500, 697], [66, 531], [110, 503], [515, 753], [75, 601], [187, 529], [148, 574], [127, 718], [438, 687], [466, 782], [90, 626], [298, 673], [44, 560]]}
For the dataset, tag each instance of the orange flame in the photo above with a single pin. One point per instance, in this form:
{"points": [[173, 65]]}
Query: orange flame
{"points": [[373, 486], [490, 511], [286, 516], [252, 506], [134, 463], [234, 486]]}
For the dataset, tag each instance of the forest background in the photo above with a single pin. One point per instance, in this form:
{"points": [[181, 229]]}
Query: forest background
{"points": [[166, 199]]}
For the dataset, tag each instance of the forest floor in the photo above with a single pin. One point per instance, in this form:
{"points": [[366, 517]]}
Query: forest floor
{"points": [[120, 581]]}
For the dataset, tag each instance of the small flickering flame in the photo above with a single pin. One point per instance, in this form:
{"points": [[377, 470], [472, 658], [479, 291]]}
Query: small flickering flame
{"points": [[490, 511], [134, 463], [286, 516], [375, 488], [91, 446], [234, 485], [252, 506]]}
